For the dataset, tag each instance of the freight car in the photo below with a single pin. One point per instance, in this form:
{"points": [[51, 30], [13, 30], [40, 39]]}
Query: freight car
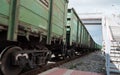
{"points": [[30, 31], [78, 38]]}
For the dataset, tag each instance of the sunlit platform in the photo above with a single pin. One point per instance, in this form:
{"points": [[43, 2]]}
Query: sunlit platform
{"points": [[60, 71]]}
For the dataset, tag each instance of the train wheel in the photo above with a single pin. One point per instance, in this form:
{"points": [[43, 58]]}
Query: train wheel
{"points": [[7, 66], [48, 57], [71, 53]]}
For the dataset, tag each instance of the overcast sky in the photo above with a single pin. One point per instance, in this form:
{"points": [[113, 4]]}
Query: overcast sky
{"points": [[85, 6]]}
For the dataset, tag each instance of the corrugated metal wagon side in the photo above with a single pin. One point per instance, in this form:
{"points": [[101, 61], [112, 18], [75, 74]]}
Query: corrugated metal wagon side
{"points": [[30, 30], [78, 38]]}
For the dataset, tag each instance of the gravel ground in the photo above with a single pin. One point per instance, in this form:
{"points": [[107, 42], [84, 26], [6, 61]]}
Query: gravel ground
{"points": [[93, 62]]}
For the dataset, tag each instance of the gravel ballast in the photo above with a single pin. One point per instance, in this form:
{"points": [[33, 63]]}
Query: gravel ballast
{"points": [[93, 62]]}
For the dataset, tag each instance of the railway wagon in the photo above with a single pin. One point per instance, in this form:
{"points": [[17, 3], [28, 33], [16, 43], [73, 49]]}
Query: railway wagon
{"points": [[98, 47], [78, 38], [30, 31]]}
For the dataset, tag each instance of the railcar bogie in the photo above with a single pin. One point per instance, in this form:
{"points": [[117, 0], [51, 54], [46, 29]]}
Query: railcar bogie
{"points": [[30, 31]]}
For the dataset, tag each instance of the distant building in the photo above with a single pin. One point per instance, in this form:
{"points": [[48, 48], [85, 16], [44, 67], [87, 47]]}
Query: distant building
{"points": [[93, 23]]}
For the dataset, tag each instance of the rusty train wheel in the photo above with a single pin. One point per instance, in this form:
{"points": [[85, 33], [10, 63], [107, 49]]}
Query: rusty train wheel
{"points": [[7, 67]]}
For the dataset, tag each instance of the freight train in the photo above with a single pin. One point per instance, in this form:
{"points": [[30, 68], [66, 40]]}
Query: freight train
{"points": [[77, 36], [32, 30]]}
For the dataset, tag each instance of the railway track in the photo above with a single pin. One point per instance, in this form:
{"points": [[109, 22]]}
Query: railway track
{"points": [[49, 66]]}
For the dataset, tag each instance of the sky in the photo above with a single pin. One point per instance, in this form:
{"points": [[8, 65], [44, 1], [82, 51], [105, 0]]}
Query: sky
{"points": [[95, 6], [95, 32], [85, 6]]}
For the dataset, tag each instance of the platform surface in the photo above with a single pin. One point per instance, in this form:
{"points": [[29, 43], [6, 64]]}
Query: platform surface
{"points": [[60, 71]]}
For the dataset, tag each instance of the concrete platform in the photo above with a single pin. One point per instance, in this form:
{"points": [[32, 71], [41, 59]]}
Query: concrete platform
{"points": [[60, 71]]}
